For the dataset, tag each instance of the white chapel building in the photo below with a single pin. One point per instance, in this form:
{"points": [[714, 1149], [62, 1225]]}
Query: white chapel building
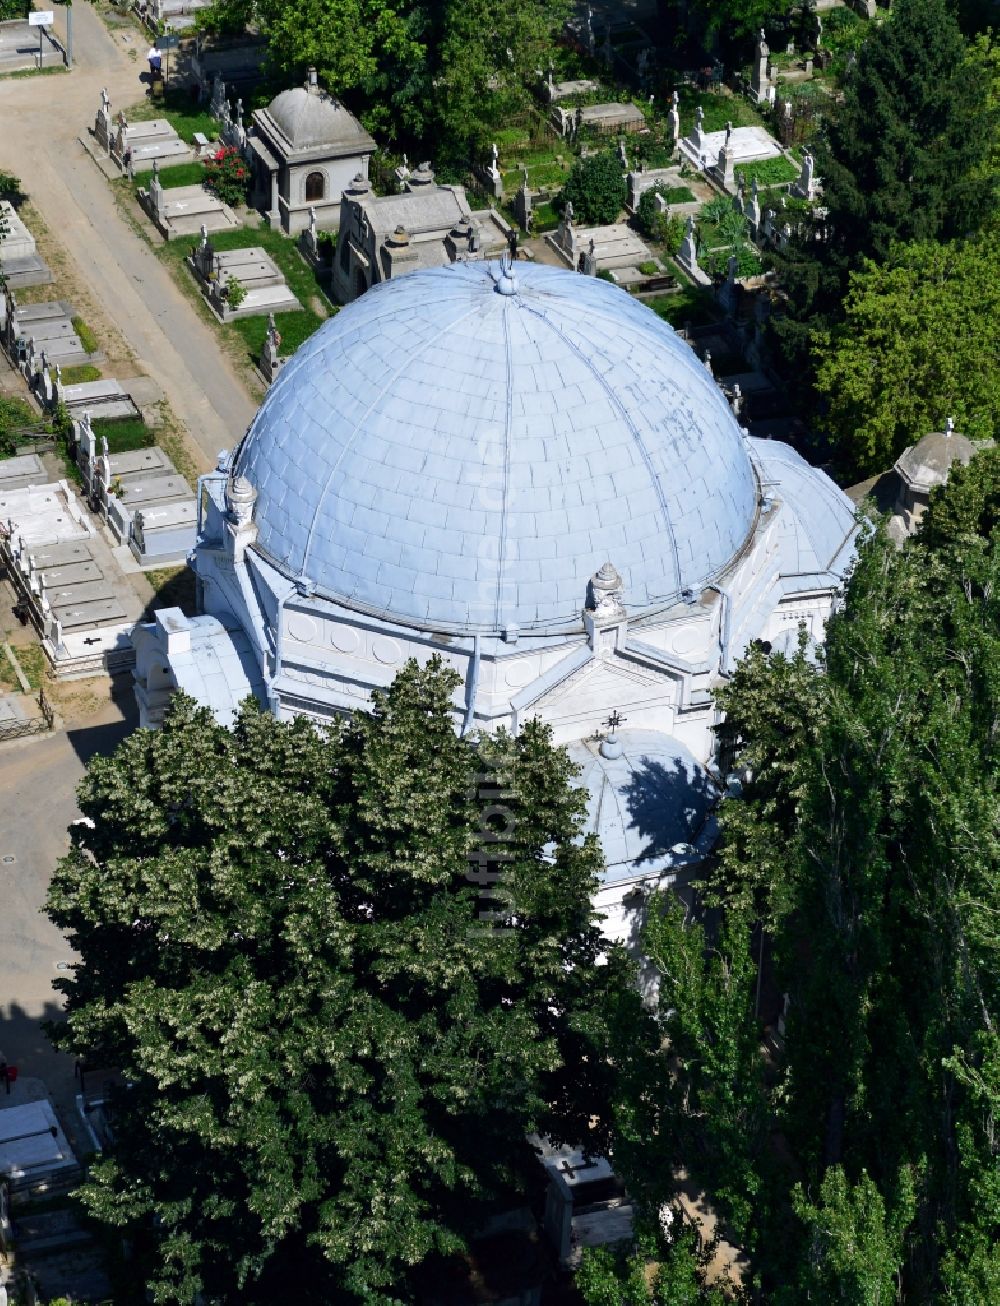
{"points": [[529, 474]]}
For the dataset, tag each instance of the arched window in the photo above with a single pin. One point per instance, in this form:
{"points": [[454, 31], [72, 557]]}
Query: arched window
{"points": [[315, 186]]}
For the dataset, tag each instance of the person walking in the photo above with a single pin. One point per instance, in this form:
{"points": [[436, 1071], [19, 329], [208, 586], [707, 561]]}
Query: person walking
{"points": [[155, 61]]}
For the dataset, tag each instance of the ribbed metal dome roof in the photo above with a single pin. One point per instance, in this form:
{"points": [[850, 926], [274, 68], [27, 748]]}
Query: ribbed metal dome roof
{"points": [[460, 451]]}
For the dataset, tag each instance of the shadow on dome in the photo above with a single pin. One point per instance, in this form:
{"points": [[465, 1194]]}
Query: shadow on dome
{"points": [[668, 804]]}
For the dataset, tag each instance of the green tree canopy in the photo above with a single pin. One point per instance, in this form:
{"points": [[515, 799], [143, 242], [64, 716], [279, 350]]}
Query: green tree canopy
{"points": [[596, 189], [920, 342], [337, 1023], [904, 154]]}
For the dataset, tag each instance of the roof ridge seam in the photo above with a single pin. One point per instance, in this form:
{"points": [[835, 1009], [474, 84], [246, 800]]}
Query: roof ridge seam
{"points": [[636, 435]]}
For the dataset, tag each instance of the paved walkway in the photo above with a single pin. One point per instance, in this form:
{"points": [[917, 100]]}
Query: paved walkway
{"points": [[43, 117]]}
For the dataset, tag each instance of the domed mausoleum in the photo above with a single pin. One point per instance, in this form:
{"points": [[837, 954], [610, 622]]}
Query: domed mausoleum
{"points": [[529, 474], [306, 149]]}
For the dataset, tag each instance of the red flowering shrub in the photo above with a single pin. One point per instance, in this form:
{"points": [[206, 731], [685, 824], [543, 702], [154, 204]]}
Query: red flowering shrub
{"points": [[227, 176]]}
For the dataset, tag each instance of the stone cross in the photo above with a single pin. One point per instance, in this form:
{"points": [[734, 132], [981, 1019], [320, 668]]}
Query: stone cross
{"points": [[621, 152], [737, 400], [806, 185], [675, 118], [689, 250], [204, 237], [698, 136], [239, 110], [496, 156], [105, 100], [708, 362], [949, 426]]}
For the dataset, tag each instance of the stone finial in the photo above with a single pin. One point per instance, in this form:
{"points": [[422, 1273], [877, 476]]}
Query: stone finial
{"points": [[604, 598], [568, 213], [736, 402], [222, 460], [708, 362], [240, 499]]}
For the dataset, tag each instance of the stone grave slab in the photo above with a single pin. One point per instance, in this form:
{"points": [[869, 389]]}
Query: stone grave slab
{"points": [[185, 210], [99, 399], [133, 461], [267, 290], [747, 144], [89, 591], [19, 242], [50, 325], [65, 554], [45, 515], [17, 473], [89, 614], [71, 573], [614, 246], [152, 141], [139, 490]]}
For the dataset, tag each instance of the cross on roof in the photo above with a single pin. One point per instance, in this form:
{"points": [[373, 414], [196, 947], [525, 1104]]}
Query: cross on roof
{"points": [[615, 720]]}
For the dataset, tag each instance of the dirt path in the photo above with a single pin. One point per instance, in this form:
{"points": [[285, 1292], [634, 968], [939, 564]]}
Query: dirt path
{"points": [[125, 287]]}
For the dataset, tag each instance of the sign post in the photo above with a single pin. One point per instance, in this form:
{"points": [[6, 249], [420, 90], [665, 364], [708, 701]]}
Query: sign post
{"points": [[41, 19]]}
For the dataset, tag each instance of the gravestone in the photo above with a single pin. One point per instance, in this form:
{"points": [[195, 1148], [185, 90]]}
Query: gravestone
{"points": [[760, 79]]}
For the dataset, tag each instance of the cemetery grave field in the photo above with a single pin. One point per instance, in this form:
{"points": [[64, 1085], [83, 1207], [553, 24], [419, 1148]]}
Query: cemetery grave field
{"points": [[180, 111], [246, 334]]}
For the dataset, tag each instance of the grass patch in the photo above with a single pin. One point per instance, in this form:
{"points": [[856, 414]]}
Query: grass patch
{"points": [[691, 305], [248, 332], [182, 174], [544, 218], [678, 194], [124, 433], [294, 329], [649, 269], [180, 111], [31, 660], [767, 172], [87, 338], [81, 374], [174, 588], [719, 109]]}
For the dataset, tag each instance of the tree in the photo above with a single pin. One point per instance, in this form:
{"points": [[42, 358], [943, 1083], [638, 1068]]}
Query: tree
{"points": [[918, 344], [706, 1017], [596, 189], [909, 156], [666, 1268], [855, 1250], [343, 981], [903, 156], [740, 20]]}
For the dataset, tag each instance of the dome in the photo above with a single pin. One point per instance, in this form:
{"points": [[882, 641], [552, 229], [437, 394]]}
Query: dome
{"points": [[648, 801], [309, 117], [928, 462], [450, 457]]}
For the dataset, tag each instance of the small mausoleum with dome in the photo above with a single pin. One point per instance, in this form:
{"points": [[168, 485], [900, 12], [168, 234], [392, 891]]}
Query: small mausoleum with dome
{"points": [[529, 474], [306, 150]]}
